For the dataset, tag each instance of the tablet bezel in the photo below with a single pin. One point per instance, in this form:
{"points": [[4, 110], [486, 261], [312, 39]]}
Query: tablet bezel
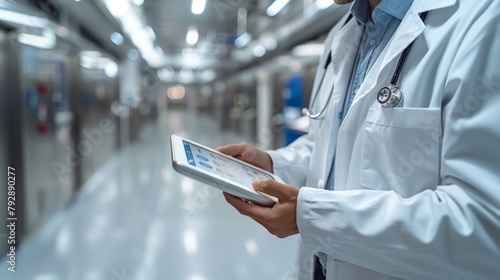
{"points": [[181, 165]]}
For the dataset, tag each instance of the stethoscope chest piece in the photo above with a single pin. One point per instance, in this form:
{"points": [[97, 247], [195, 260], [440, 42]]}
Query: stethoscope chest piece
{"points": [[390, 97]]}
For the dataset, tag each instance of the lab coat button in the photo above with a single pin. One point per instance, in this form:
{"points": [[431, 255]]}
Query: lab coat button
{"points": [[321, 184]]}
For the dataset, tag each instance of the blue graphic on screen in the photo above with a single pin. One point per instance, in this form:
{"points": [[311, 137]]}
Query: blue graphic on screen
{"points": [[206, 165], [189, 154], [201, 157]]}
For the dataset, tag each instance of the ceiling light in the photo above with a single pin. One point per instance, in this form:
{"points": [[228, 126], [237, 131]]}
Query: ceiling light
{"points": [[132, 24], [138, 3], [22, 19], [93, 54], [188, 52], [47, 40], [166, 74], [142, 36], [198, 6], [206, 74], [154, 61], [191, 59], [159, 50], [36, 41], [150, 56], [87, 62], [311, 49], [276, 7], [323, 4], [259, 51], [117, 38], [118, 7], [243, 40], [111, 69], [141, 40], [151, 33], [133, 54], [272, 44], [186, 73], [192, 36]]}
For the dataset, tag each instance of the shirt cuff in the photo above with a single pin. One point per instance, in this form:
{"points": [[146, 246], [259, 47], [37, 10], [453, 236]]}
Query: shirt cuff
{"points": [[317, 218], [304, 219], [277, 160]]}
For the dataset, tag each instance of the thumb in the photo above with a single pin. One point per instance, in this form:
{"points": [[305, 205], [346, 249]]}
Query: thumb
{"points": [[274, 188]]}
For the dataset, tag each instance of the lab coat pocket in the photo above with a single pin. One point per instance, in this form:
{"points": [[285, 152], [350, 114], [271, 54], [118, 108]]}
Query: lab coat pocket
{"points": [[401, 148]]}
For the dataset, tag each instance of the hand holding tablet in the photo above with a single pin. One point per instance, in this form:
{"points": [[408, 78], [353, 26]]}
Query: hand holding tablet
{"points": [[219, 170], [249, 154]]}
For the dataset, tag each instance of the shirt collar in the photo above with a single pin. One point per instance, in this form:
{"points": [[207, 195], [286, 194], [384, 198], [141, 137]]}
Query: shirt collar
{"points": [[361, 10]]}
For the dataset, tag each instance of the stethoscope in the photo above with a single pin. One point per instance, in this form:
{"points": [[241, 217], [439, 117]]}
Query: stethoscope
{"points": [[390, 96]]}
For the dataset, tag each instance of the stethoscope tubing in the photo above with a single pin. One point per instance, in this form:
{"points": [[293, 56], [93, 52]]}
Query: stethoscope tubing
{"points": [[392, 86], [402, 59]]}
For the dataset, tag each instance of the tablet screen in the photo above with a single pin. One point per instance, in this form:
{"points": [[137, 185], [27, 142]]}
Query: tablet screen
{"points": [[225, 167]]}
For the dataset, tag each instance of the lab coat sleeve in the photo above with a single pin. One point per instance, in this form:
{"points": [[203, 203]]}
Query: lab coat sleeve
{"points": [[292, 162], [450, 231]]}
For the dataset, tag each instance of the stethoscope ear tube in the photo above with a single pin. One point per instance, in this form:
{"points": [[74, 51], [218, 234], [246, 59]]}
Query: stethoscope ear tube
{"points": [[315, 116], [309, 111]]}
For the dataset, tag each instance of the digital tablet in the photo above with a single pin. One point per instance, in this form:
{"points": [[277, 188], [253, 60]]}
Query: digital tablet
{"points": [[219, 170]]}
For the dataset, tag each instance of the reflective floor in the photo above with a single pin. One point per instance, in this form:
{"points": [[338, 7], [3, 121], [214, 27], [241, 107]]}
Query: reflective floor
{"points": [[138, 219]]}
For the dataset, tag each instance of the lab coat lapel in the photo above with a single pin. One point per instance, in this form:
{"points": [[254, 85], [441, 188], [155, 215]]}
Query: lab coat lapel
{"points": [[421, 6], [344, 49], [409, 30], [329, 42]]}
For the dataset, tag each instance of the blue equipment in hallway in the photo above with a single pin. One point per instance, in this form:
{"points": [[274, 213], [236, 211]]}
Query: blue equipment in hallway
{"points": [[293, 106]]}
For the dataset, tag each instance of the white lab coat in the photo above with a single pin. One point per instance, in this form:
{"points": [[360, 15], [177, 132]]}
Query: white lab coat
{"points": [[417, 188]]}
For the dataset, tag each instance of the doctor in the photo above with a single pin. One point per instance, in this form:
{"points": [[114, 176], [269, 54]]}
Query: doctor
{"points": [[406, 191]]}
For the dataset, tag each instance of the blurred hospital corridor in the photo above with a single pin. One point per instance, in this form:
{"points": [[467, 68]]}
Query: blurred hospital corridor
{"points": [[136, 218]]}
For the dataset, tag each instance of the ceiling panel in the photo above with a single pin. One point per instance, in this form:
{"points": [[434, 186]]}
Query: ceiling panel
{"points": [[171, 19]]}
